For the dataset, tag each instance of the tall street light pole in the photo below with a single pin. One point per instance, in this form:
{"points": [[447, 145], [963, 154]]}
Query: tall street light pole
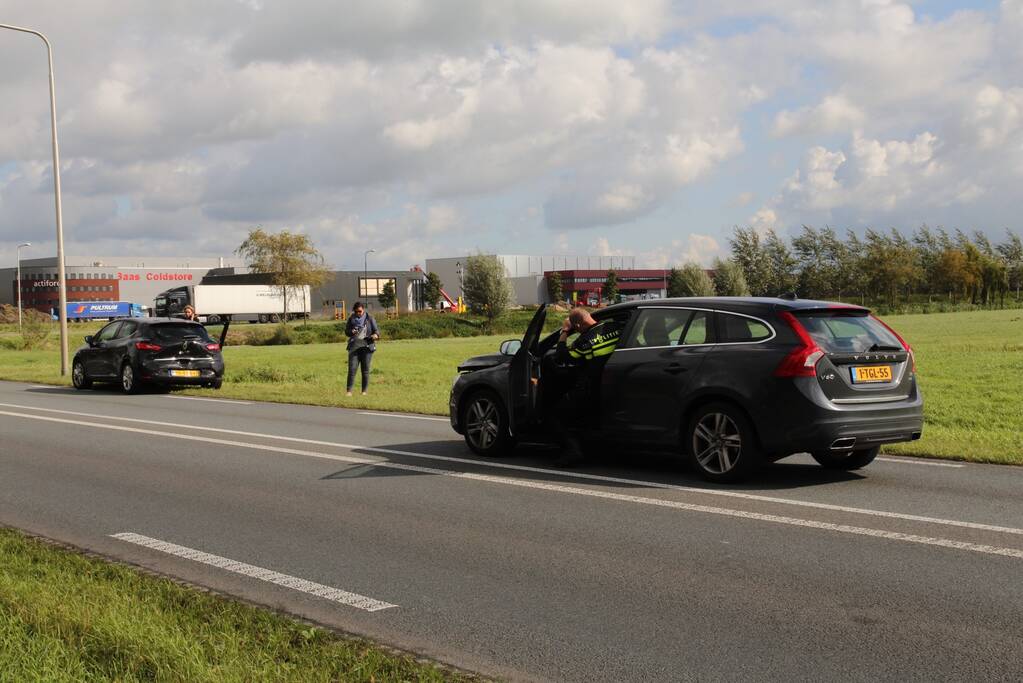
{"points": [[20, 246], [61, 282], [365, 269]]}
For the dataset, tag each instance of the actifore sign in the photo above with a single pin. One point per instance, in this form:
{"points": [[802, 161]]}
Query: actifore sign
{"points": [[136, 277], [45, 283]]}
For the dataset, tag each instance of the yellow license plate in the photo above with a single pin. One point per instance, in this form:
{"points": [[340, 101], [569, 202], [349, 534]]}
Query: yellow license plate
{"points": [[184, 373], [872, 373]]}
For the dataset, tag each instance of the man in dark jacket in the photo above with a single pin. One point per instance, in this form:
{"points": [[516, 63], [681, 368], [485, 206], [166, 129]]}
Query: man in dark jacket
{"points": [[585, 358], [363, 333]]}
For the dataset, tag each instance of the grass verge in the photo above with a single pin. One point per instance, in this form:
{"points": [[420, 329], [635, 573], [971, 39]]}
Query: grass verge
{"points": [[970, 370], [68, 617]]}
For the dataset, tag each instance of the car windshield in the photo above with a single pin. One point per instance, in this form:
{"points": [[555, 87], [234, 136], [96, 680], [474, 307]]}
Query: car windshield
{"points": [[177, 332], [848, 332]]}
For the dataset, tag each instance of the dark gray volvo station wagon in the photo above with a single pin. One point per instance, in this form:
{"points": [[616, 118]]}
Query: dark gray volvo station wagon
{"points": [[728, 382]]}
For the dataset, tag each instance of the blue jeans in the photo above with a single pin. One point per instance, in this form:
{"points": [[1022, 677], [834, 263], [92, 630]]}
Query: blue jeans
{"points": [[360, 357]]}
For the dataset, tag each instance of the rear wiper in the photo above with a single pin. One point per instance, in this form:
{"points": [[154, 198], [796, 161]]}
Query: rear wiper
{"points": [[882, 347]]}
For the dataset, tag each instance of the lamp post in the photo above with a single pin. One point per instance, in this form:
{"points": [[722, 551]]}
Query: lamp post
{"points": [[365, 269], [61, 282], [20, 246]]}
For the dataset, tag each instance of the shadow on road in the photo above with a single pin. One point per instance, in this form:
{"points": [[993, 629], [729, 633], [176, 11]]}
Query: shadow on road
{"points": [[642, 469]]}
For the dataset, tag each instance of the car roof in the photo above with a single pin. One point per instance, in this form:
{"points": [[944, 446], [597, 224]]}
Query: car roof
{"points": [[150, 321], [730, 303]]}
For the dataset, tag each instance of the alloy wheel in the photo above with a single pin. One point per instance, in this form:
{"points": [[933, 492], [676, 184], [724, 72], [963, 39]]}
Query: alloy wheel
{"points": [[127, 378], [78, 375], [483, 423], [717, 443]]}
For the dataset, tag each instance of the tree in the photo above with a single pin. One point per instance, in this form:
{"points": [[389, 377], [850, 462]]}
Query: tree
{"points": [[486, 287], [388, 297], [781, 266], [611, 286], [729, 279], [690, 280], [555, 289], [952, 272], [290, 259], [748, 253], [431, 289], [1011, 252]]}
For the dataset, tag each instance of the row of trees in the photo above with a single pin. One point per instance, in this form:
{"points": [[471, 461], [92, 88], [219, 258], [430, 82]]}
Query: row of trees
{"points": [[880, 266]]}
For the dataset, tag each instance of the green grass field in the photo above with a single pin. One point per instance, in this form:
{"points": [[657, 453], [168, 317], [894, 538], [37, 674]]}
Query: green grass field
{"points": [[68, 617], [970, 368]]}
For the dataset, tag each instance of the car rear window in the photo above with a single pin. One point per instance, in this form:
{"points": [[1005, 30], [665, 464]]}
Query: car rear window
{"points": [[848, 332], [176, 332]]}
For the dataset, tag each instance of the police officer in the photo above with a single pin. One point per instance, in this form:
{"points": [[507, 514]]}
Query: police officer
{"points": [[585, 357]]}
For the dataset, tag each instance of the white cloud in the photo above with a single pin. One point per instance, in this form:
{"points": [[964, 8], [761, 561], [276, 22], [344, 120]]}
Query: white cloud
{"points": [[208, 118]]}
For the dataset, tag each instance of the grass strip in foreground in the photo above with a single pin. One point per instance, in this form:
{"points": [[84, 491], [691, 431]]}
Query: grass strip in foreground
{"points": [[68, 617]]}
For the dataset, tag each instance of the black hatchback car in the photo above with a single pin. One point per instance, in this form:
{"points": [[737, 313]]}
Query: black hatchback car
{"points": [[138, 351], [730, 382]]}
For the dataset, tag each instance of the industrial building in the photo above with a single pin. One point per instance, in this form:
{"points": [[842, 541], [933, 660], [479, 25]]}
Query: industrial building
{"points": [[139, 279], [527, 273]]}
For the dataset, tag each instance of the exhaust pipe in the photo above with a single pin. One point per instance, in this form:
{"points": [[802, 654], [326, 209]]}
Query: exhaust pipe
{"points": [[843, 444]]}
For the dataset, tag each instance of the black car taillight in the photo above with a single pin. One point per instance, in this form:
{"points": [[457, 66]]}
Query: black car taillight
{"points": [[147, 346], [802, 361], [213, 347]]}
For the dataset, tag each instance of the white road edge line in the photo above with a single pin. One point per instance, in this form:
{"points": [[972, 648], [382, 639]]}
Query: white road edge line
{"points": [[904, 461], [270, 576], [407, 417], [562, 488], [217, 400], [561, 473]]}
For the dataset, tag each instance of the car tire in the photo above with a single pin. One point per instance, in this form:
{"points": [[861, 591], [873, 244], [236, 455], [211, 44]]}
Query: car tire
{"points": [[721, 444], [848, 460], [216, 384], [130, 383], [78, 377], [485, 421]]}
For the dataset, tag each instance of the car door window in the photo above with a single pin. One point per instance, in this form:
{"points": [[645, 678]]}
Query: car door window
{"points": [[109, 332], [696, 330], [658, 327], [126, 330], [734, 329]]}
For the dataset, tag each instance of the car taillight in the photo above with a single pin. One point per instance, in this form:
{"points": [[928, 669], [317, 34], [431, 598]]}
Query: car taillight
{"points": [[802, 361], [146, 346], [213, 347], [909, 349]]}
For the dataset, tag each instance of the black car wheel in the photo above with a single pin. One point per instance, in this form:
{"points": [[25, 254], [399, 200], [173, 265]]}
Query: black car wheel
{"points": [[216, 384], [130, 383], [720, 443], [78, 376], [849, 460], [486, 424]]}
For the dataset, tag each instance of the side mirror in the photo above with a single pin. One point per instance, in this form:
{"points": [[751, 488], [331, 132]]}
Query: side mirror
{"points": [[88, 340], [510, 347]]}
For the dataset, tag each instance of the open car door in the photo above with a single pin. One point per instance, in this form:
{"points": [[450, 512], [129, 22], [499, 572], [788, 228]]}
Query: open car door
{"points": [[524, 378]]}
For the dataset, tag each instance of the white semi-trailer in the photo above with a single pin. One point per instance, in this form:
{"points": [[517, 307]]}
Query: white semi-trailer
{"points": [[218, 303]]}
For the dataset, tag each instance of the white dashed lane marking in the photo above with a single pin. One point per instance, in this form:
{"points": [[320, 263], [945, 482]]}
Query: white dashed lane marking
{"points": [[906, 461], [216, 400], [407, 417], [270, 576]]}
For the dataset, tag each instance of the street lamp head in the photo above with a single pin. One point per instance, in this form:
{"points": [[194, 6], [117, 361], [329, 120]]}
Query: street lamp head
{"points": [[25, 244]]}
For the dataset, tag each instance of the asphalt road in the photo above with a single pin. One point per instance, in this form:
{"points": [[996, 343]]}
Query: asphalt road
{"points": [[628, 569]]}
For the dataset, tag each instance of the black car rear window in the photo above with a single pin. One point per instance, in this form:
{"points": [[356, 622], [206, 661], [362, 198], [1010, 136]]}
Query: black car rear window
{"points": [[176, 332], [848, 331]]}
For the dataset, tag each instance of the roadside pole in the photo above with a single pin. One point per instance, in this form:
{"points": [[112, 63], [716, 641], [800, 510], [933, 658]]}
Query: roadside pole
{"points": [[61, 281]]}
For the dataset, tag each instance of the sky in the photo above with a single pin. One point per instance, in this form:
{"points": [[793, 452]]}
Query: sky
{"points": [[432, 128]]}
